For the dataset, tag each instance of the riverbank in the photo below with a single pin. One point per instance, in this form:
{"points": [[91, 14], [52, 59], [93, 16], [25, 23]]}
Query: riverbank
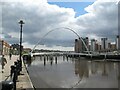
{"points": [[24, 81]]}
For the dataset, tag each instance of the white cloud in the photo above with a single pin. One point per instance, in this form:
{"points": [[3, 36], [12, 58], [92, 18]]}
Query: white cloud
{"points": [[26, 1], [102, 18], [27, 45], [41, 17], [82, 0]]}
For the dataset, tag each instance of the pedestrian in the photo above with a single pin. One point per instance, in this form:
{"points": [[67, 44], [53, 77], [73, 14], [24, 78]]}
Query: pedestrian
{"points": [[10, 55], [3, 62]]}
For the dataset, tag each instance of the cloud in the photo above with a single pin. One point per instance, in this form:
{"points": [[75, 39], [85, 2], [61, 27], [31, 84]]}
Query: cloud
{"points": [[102, 18], [41, 17]]}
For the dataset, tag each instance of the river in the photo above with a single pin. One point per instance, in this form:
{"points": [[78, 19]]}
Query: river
{"points": [[73, 73]]}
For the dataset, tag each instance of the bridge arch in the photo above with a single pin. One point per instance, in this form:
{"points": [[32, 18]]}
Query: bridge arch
{"points": [[66, 28]]}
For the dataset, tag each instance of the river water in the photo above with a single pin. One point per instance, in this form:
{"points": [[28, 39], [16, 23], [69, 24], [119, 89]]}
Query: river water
{"points": [[73, 73]]}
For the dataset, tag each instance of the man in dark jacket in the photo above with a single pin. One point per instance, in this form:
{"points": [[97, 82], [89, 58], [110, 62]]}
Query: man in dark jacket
{"points": [[10, 55], [3, 62]]}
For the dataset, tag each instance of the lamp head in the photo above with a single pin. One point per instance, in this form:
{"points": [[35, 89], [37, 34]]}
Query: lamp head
{"points": [[21, 22]]}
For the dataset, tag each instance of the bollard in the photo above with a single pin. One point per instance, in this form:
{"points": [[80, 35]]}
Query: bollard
{"points": [[20, 64], [56, 60], [67, 58], [16, 70], [44, 62], [12, 70], [15, 77], [7, 85], [19, 68]]}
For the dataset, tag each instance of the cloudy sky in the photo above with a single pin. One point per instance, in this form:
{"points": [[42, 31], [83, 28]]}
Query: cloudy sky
{"points": [[91, 18]]}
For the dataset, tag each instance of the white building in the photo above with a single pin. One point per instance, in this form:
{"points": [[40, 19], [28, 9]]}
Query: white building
{"points": [[93, 42]]}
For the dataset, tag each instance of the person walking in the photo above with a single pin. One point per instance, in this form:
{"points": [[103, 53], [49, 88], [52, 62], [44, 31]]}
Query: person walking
{"points": [[10, 55], [3, 62]]}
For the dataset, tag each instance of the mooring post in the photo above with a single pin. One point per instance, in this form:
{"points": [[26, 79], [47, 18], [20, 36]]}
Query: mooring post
{"points": [[56, 59]]}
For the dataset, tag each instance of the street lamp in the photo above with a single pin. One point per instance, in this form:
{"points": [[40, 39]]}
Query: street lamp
{"points": [[21, 26]]}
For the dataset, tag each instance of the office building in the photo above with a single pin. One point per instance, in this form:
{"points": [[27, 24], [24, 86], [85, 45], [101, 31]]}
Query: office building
{"points": [[76, 46], [113, 47], [104, 43], [79, 45], [93, 45]]}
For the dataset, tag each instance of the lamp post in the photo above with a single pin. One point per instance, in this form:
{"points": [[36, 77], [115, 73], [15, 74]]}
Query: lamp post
{"points": [[21, 27]]}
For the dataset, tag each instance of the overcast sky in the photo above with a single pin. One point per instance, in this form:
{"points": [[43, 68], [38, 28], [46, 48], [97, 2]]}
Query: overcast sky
{"points": [[95, 19]]}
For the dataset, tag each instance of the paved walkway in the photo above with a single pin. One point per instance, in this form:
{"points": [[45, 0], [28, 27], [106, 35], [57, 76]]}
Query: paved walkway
{"points": [[24, 81]]}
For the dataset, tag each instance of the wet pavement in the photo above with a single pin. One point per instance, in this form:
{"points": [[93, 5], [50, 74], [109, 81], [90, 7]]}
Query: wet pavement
{"points": [[73, 73]]}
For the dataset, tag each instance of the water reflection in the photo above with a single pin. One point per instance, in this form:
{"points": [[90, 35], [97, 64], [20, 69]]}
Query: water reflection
{"points": [[119, 76], [81, 68], [44, 62], [68, 72]]}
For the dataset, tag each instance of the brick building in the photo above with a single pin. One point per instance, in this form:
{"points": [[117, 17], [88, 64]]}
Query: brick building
{"points": [[4, 47]]}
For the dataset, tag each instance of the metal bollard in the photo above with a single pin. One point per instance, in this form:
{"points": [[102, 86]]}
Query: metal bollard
{"points": [[20, 64], [19, 67], [12, 70], [15, 77]]}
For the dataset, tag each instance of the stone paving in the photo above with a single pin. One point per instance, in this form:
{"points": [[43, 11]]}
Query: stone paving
{"points": [[24, 82]]}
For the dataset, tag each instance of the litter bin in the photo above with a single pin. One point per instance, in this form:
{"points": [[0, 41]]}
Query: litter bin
{"points": [[7, 85]]}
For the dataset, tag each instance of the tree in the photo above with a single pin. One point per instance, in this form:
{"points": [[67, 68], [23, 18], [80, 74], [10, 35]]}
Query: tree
{"points": [[16, 48]]}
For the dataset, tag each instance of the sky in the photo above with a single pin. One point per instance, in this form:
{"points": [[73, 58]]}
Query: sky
{"points": [[77, 6], [91, 18]]}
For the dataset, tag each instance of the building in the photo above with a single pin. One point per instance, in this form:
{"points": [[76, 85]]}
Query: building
{"points": [[76, 46], [93, 45], [1, 47], [99, 47], [104, 43], [86, 41], [118, 42], [79, 45], [4, 47], [109, 45], [113, 47]]}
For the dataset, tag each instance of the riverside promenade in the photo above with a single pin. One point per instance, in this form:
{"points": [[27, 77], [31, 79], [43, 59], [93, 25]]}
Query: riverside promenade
{"points": [[24, 82]]}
